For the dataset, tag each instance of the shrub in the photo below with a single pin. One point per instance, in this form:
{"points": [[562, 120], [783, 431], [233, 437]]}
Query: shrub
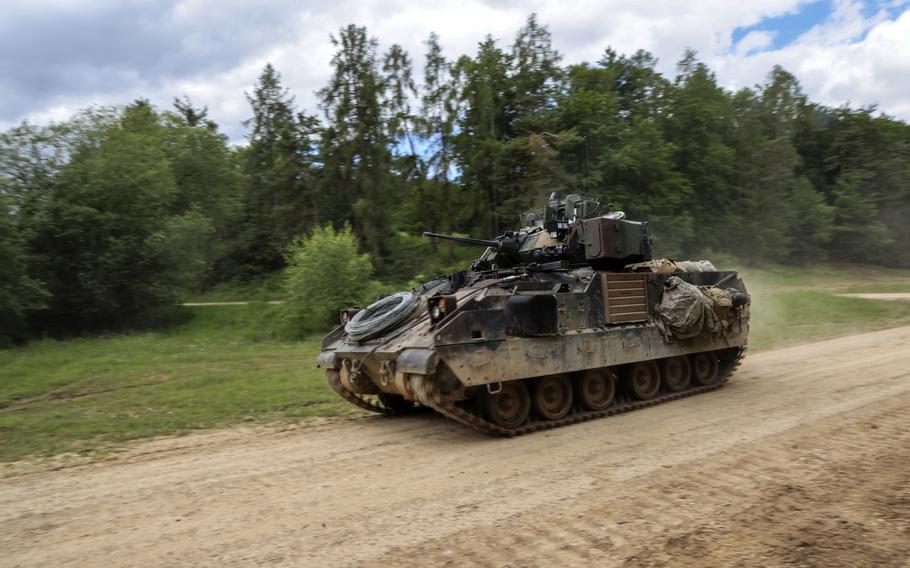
{"points": [[324, 275]]}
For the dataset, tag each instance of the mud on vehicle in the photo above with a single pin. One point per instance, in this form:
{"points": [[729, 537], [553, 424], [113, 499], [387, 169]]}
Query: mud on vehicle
{"points": [[566, 319]]}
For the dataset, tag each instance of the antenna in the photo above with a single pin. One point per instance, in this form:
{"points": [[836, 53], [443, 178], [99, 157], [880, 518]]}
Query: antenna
{"points": [[587, 165]]}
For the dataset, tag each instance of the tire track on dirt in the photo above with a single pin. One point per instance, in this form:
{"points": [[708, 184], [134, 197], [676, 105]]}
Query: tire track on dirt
{"points": [[757, 506]]}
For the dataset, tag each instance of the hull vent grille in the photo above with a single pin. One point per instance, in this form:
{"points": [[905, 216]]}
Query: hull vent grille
{"points": [[625, 297]]}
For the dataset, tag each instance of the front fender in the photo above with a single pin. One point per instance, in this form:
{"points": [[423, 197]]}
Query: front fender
{"points": [[418, 361], [328, 360]]}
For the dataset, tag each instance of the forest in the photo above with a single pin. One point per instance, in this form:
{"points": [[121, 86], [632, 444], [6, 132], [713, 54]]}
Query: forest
{"points": [[117, 213]]}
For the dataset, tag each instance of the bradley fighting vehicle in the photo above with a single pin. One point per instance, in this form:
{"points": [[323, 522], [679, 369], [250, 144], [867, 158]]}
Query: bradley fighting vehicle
{"points": [[566, 319]]}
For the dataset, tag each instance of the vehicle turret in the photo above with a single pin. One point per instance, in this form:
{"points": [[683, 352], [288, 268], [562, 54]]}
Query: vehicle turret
{"points": [[571, 231]]}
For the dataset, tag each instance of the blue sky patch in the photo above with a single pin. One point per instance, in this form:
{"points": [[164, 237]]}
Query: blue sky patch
{"points": [[785, 29], [788, 27], [894, 8]]}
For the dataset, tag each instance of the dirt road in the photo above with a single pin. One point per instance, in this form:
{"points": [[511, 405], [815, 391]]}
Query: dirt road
{"points": [[881, 296], [803, 460]]}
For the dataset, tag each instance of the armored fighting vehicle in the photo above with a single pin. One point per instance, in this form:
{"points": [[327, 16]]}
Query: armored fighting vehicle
{"points": [[567, 319]]}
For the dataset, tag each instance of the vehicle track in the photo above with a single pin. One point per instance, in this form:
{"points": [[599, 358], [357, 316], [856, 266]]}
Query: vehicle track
{"points": [[426, 394], [803, 459]]}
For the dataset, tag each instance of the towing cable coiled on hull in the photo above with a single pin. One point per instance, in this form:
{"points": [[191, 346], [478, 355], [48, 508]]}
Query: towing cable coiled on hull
{"points": [[381, 315]]}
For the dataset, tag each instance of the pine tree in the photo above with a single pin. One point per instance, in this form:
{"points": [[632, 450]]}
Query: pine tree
{"points": [[193, 116], [779, 217], [620, 155], [439, 108], [867, 162], [356, 143], [535, 78], [209, 179], [483, 126], [281, 200], [698, 125]]}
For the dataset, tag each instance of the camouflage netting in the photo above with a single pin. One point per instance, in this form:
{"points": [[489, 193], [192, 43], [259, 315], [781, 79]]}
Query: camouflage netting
{"points": [[688, 311]]}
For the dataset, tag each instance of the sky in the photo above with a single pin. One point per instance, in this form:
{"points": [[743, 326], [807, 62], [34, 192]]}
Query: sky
{"points": [[59, 56]]}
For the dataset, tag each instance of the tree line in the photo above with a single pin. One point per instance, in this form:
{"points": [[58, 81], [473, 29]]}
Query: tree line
{"points": [[119, 211]]}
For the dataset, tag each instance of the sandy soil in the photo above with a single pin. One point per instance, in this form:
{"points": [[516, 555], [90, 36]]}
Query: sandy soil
{"points": [[803, 460]]}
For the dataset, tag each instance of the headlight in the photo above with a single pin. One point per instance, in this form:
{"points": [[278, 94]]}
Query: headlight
{"points": [[441, 306]]}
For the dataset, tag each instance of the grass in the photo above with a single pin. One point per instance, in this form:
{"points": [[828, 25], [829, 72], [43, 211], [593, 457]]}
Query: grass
{"points": [[215, 369], [799, 315], [264, 289], [829, 278], [224, 365], [796, 304]]}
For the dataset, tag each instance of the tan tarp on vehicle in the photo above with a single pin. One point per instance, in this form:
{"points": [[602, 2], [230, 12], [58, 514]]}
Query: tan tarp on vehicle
{"points": [[696, 266], [688, 311]]}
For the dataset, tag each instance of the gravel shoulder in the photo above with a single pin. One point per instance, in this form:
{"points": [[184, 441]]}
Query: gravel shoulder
{"points": [[802, 460]]}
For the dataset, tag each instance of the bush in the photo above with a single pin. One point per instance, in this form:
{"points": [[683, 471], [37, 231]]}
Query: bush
{"points": [[113, 240], [324, 275]]}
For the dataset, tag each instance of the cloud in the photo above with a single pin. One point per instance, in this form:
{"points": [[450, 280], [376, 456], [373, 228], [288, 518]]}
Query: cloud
{"points": [[61, 55], [754, 41], [850, 58]]}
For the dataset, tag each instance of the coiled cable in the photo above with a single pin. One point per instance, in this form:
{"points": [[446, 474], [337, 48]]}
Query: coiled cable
{"points": [[381, 315]]}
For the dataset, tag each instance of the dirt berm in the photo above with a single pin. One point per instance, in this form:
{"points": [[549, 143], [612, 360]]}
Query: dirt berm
{"points": [[803, 460]]}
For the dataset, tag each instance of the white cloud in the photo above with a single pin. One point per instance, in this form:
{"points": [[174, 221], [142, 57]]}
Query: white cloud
{"points": [[850, 58], [755, 41], [71, 54]]}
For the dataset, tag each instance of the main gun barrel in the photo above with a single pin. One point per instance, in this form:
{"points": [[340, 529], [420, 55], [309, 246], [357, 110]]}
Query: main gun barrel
{"points": [[465, 240]]}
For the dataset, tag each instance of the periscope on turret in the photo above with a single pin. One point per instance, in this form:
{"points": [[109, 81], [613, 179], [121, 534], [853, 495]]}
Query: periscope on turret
{"points": [[568, 318]]}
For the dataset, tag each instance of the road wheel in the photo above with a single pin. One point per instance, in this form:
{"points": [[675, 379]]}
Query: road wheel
{"points": [[596, 389], [509, 408], [676, 373], [644, 379], [705, 369], [553, 397]]}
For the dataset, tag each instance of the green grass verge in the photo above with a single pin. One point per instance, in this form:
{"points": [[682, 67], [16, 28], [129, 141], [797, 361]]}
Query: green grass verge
{"points": [[800, 315], [798, 304], [227, 364], [84, 394]]}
